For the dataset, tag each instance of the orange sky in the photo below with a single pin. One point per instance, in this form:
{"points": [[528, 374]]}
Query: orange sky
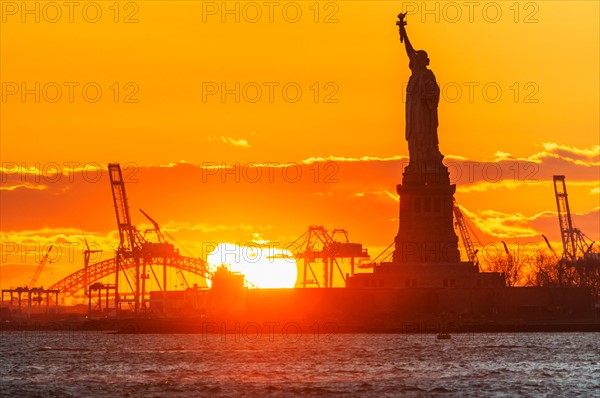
{"points": [[546, 54]]}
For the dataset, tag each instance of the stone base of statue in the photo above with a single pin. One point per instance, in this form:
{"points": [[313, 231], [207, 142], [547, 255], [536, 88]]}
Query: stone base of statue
{"points": [[426, 231]]}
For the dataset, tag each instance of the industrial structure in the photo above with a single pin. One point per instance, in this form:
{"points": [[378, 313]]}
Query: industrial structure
{"points": [[40, 268], [576, 245], [31, 297], [459, 222], [384, 295], [579, 264], [318, 244], [136, 260]]}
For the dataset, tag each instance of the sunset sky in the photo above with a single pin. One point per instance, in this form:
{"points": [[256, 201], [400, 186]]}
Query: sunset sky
{"points": [[310, 131]]}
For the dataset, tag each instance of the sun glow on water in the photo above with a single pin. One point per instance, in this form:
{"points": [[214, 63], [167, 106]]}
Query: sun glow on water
{"points": [[264, 266]]}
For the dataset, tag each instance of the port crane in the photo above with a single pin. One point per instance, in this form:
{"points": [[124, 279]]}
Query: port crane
{"points": [[40, 268], [136, 255], [459, 221], [130, 240], [318, 244], [575, 243], [134, 260]]}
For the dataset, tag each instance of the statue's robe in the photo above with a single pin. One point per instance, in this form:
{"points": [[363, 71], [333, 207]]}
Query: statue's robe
{"points": [[422, 98]]}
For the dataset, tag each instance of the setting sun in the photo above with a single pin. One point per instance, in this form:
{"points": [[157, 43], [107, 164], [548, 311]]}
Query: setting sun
{"points": [[262, 266]]}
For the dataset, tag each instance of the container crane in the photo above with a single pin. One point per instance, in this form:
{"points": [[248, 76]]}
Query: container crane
{"points": [[575, 244], [317, 244], [134, 247], [459, 221], [130, 240]]}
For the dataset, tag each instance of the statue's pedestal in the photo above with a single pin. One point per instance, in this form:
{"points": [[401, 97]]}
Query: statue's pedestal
{"points": [[426, 232]]}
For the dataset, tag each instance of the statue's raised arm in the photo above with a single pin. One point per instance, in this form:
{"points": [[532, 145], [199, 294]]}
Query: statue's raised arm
{"points": [[410, 51]]}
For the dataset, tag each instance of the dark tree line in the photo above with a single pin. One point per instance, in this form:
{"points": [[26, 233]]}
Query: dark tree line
{"points": [[545, 270]]}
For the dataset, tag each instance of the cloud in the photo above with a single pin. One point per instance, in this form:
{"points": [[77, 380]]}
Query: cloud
{"points": [[502, 225], [37, 187], [241, 143], [384, 195], [512, 185], [206, 228], [495, 225], [484, 186], [223, 202], [351, 159], [585, 155]]}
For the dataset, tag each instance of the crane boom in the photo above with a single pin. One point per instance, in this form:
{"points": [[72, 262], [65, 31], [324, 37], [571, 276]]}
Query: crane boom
{"points": [[564, 217], [40, 268], [129, 238], [464, 233], [156, 229], [161, 239]]}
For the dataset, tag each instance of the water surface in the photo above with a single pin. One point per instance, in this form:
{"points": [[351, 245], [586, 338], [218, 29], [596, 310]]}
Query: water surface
{"points": [[76, 364]]}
